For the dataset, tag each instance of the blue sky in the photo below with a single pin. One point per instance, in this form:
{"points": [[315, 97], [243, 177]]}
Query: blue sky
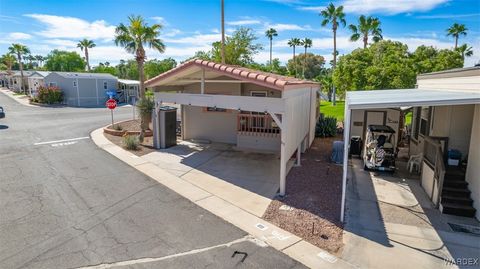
{"points": [[192, 25]]}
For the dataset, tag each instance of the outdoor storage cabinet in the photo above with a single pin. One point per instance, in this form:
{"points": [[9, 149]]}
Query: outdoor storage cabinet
{"points": [[165, 127]]}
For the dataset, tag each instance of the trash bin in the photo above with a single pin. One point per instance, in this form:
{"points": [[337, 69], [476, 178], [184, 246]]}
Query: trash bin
{"points": [[355, 146], [337, 152], [165, 127], [454, 157]]}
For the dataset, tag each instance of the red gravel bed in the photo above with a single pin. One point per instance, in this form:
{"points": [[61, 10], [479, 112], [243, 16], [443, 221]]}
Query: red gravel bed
{"points": [[314, 192]]}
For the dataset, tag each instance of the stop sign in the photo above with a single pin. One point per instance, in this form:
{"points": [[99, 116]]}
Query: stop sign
{"points": [[111, 103]]}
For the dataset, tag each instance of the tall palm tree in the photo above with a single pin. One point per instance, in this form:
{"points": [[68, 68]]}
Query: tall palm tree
{"points": [[306, 43], [223, 31], [270, 33], [9, 60], [20, 50], [334, 16], [366, 26], [456, 30], [293, 42], [84, 45], [30, 58], [134, 37], [465, 51]]}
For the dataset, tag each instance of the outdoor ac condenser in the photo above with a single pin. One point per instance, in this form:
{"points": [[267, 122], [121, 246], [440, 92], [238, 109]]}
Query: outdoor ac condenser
{"points": [[164, 127]]}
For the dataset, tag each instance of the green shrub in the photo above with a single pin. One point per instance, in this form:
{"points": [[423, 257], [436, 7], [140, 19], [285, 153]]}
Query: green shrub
{"points": [[131, 142], [326, 126], [49, 95], [117, 127], [145, 106]]}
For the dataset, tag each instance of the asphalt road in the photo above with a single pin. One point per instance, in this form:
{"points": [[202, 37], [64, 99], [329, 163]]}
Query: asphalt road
{"points": [[70, 204]]}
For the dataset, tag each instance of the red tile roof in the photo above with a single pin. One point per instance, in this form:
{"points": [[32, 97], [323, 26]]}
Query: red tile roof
{"points": [[241, 73]]}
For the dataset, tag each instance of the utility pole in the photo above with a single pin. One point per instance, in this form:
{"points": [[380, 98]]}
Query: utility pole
{"points": [[223, 31]]}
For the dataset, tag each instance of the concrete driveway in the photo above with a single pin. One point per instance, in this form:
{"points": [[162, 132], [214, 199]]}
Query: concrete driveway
{"points": [[246, 179], [391, 223]]}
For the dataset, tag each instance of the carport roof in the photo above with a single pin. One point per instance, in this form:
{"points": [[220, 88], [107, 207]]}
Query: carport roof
{"points": [[236, 72], [410, 97]]}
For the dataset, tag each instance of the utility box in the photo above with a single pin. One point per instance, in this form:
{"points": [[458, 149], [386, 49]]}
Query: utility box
{"points": [[164, 127]]}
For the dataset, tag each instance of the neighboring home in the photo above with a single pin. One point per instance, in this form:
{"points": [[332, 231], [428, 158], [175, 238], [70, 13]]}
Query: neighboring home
{"points": [[446, 121], [128, 90], [252, 110], [3, 78], [83, 89], [16, 77], [36, 80]]}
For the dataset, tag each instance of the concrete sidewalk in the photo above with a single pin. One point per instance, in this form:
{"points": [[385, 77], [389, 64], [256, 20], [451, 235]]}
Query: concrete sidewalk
{"points": [[245, 219], [21, 99]]}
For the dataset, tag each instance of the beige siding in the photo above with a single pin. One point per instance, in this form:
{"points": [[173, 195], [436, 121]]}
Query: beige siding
{"points": [[358, 117], [213, 126], [247, 88], [473, 168], [215, 88], [453, 83]]}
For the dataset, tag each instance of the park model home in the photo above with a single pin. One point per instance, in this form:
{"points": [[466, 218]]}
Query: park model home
{"points": [[35, 81], [82, 89], [250, 109], [445, 134]]}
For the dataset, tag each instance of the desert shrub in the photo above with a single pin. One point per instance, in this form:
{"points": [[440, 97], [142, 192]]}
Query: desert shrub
{"points": [[146, 105], [117, 127], [49, 95], [326, 126], [131, 142]]}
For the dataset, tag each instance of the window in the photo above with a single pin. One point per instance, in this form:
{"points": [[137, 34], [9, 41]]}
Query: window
{"points": [[216, 109], [258, 93], [52, 84], [74, 83], [105, 85], [421, 122]]}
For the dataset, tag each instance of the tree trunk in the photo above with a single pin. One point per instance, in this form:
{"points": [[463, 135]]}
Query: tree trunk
{"points": [[86, 58], [223, 32], [271, 65], [294, 62], [334, 63], [456, 42], [141, 94], [304, 63], [20, 64], [365, 41]]}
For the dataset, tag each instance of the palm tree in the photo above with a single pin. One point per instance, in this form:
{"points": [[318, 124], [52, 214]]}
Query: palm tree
{"points": [[84, 45], [335, 16], [39, 59], [293, 42], [456, 30], [366, 26], [223, 30], [8, 59], [270, 33], [30, 58], [465, 50], [20, 50], [306, 43], [133, 38]]}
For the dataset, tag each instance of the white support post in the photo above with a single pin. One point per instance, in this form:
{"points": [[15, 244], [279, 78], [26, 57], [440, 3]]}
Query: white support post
{"points": [[283, 157], [346, 135], [202, 82], [277, 120]]}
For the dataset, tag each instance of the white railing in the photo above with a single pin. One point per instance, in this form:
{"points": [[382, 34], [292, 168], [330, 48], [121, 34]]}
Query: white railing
{"points": [[257, 125], [434, 155]]}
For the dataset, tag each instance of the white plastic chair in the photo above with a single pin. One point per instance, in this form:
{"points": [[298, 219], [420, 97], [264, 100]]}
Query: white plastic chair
{"points": [[415, 162]]}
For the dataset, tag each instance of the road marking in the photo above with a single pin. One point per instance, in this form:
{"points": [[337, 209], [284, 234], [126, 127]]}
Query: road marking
{"points": [[63, 140], [64, 144], [149, 260]]}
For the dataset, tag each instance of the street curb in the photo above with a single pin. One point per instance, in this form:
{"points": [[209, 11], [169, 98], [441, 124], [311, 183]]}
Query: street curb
{"points": [[290, 244]]}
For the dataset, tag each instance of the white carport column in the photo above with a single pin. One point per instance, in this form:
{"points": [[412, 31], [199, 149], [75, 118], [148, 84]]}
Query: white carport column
{"points": [[283, 155], [346, 135]]}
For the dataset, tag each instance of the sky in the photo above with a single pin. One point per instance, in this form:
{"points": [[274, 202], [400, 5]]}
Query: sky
{"points": [[192, 25]]}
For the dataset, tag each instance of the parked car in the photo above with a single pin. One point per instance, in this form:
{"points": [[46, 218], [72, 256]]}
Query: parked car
{"points": [[378, 150], [2, 113]]}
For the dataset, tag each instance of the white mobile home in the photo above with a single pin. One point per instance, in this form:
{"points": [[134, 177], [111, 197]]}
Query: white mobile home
{"points": [[35, 81]]}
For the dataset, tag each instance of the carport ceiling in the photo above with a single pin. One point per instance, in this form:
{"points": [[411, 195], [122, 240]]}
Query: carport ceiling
{"points": [[410, 97]]}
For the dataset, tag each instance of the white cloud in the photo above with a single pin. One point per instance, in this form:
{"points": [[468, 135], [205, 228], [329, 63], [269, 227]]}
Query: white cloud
{"points": [[243, 22], [18, 36], [172, 33], [61, 42], [389, 7], [288, 27], [160, 20], [448, 16], [197, 39], [70, 27]]}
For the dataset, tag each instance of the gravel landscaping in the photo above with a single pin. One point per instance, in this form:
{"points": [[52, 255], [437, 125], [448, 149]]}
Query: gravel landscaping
{"points": [[311, 208]]}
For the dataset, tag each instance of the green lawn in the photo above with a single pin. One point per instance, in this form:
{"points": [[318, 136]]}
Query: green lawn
{"points": [[408, 118], [330, 110]]}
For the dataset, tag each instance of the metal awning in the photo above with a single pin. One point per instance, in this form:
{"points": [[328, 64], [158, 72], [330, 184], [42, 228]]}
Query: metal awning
{"points": [[396, 99], [129, 82]]}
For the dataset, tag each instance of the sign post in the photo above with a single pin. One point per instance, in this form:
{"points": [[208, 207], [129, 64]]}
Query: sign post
{"points": [[111, 104]]}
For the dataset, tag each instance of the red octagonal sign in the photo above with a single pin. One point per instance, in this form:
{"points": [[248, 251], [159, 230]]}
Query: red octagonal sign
{"points": [[111, 103]]}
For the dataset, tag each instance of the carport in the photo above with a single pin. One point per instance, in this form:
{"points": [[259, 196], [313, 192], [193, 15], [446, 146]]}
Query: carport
{"points": [[396, 99]]}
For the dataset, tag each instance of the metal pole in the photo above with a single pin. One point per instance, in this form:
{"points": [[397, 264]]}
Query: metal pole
{"points": [[111, 110], [133, 106]]}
